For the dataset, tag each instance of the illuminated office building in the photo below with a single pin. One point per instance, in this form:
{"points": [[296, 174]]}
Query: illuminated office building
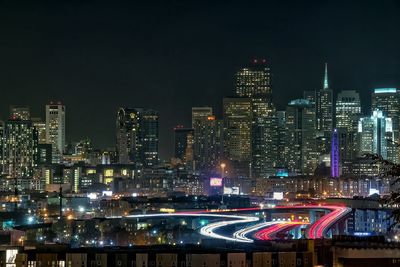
{"points": [[373, 133], [40, 126], [300, 150], [238, 122], [137, 136], [20, 113], [348, 110], [200, 117], [387, 100], [335, 154], [211, 146], [281, 117], [254, 80], [323, 103], [348, 113], [264, 137], [20, 143], [55, 129], [184, 139]]}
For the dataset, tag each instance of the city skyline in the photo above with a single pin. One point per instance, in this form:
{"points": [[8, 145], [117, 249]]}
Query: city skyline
{"points": [[86, 72]]}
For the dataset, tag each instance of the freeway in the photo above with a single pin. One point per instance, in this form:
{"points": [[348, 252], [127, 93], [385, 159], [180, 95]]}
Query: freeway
{"points": [[317, 230], [270, 232]]}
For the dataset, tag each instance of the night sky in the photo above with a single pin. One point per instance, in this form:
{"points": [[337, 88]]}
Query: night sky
{"points": [[95, 56]]}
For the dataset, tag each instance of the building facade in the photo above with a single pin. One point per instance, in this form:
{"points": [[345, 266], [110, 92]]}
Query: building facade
{"points": [[55, 129]]}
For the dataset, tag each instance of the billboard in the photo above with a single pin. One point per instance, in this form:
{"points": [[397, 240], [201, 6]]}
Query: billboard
{"points": [[234, 190], [216, 182]]}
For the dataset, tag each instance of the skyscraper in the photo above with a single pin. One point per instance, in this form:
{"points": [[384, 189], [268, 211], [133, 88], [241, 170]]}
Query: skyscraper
{"points": [[184, 138], [20, 113], [200, 117], [148, 137], [127, 135], [373, 134], [238, 122], [210, 147], [40, 126], [137, 136], [348, 110], [55, 129], [335, 154], [19, 148], [254, 80], [348, 113], [264, 137], [281, 116], [300, 150], [387, 100], [325, 106]]}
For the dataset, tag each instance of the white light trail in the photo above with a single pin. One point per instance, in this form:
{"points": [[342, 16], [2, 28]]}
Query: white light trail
{"points": [[241, 234]]}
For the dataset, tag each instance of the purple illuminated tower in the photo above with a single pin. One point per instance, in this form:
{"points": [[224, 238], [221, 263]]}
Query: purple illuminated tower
{"points": [[335, 154]]}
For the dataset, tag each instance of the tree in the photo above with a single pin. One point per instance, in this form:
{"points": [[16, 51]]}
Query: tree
{"points": [[391, 170]]}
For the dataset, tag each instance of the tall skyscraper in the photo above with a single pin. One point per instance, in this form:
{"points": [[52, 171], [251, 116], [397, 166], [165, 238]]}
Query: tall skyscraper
{"points": [[19, 148], [238, 122], [323, 102], [281, 160], [148, 137], [264, 137], [200, 117], [137, 136], [348, 110], [55, 129], [373, 134], [20, 113], [387, 100], [348, 113], [127, 138], [254, 80], [40, 126], [335, 154], [210, 147], [184, 138], [325, 106], [300, 151]]}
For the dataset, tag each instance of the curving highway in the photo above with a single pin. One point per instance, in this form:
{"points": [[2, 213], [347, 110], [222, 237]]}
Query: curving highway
{"points": [[268, 230]]}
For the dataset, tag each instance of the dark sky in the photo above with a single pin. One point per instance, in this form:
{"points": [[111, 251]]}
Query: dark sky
{"points": [[171, 55]]}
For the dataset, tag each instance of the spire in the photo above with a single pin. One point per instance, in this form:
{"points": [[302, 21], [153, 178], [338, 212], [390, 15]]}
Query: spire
{"points": [[326, 86]]}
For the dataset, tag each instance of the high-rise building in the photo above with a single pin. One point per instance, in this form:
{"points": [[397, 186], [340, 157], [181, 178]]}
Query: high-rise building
{"points": [[149, 121], [264, 137], [254, 80], [300, 150], [19, 148], [137, 136], [20, 113], [348, 113], [127, 138], [238, 123], [200, 117], [323, 102], [325, 106], [211, 144], [335, 154], [373, 134], [281, 160], [184, 138], [387, 100], [40, 126], [55, 129], [348, 110]]}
